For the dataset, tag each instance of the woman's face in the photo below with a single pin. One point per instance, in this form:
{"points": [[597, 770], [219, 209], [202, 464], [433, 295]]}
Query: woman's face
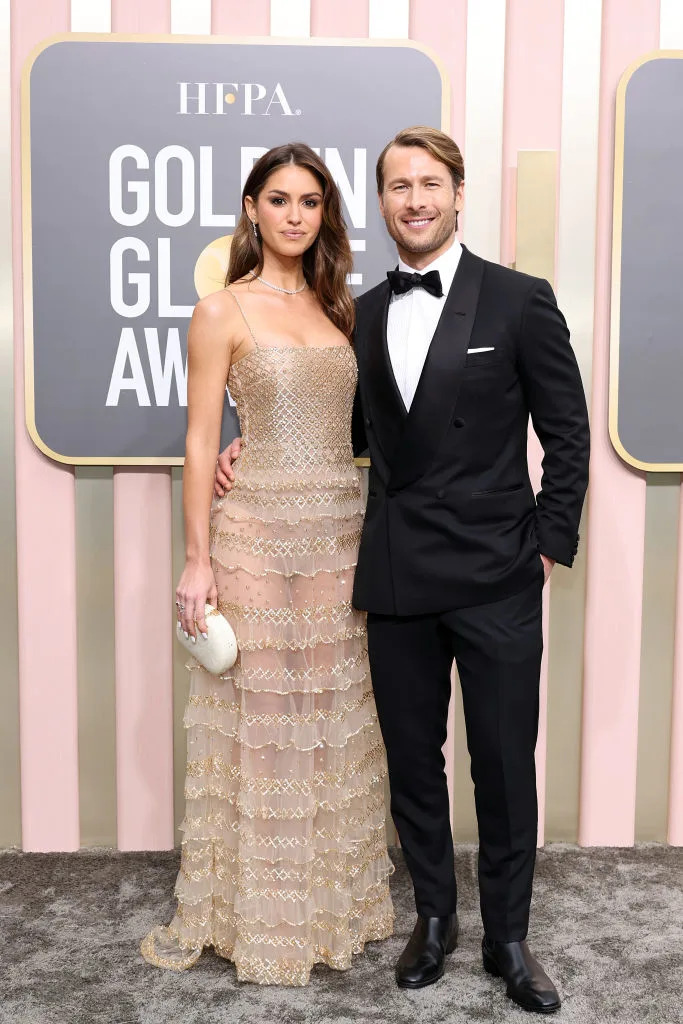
{"points": [[288, 211]]}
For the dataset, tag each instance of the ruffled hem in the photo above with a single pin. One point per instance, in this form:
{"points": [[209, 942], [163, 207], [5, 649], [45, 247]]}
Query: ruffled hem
{"points": [[266, 970]]}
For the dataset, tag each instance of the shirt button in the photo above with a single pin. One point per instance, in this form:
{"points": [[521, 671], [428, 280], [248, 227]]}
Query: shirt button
{"points": [[458, 422]]}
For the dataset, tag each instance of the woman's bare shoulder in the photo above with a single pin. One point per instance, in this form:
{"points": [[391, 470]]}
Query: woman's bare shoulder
{"points": [[215, 306]]}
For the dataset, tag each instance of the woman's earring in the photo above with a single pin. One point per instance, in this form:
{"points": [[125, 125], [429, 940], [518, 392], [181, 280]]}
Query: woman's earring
{"points": [[255, 230]]}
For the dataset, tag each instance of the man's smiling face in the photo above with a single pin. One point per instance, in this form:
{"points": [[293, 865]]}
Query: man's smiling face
{"points": [[419, 202]]}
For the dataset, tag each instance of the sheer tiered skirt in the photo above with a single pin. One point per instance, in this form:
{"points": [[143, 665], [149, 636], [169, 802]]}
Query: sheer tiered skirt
{"points": [[284, 861]]}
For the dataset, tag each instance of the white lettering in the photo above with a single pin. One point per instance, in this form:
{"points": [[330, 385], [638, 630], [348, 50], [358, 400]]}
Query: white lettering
{"points": [[173, 369], [207, 218], [185, 97], [355, 198], [140, 189], [281, 100], [127, 354], [222, 97], [186, 212], [250, 96], [139, 281], [166, 307]]}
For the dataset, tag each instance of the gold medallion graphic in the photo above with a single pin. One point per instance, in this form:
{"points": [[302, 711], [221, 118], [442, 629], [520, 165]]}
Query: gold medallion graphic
{"points": [[212, 266]]}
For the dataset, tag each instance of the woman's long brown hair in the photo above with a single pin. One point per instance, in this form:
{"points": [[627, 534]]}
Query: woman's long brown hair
{"points": [[327, 262]]}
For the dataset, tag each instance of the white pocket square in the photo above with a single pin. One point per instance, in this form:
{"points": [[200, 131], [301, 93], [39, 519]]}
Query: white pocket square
{"points": [[470, 351]]}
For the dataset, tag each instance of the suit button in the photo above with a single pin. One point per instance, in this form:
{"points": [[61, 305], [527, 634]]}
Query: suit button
{"points": [[458, 422], [368, 421], [440, 493]]}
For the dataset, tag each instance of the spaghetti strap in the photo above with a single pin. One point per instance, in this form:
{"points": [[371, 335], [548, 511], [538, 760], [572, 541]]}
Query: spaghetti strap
{"points": [[239, 306]]}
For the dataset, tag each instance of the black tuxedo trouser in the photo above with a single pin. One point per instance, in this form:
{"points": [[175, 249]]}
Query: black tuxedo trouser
{"points": [[497, 648]]}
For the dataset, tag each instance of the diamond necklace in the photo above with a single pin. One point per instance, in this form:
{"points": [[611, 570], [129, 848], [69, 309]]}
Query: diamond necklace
{"points": [[276, 287]]}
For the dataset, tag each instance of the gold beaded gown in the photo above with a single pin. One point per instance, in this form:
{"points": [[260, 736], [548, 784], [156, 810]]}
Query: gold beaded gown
{"points": [[284, 861]]}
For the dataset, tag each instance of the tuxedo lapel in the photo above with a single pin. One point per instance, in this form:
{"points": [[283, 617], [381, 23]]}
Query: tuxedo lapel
{"points": [[386, 408], [433, 406]]}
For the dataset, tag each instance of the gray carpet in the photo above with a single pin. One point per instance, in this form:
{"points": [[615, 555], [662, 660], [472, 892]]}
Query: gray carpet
{"points": [[607, 924]]}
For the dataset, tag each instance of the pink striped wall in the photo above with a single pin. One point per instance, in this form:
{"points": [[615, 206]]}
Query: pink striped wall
{"points": [[234, 17], [531, 120], [46, 557], [616, 510], [150, 16], [143, 609], [347, 20], [46, 540], [442, 25]]}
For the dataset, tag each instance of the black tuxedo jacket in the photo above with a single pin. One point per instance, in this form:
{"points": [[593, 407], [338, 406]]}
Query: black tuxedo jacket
{"points": [[452, 519]]}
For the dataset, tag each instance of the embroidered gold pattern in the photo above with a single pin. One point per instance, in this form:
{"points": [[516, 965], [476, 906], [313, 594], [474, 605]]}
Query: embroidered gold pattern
{"points": [[317, 500], [303, 644], [278, 547], [284, 861], [286, 616], [215, 764]]}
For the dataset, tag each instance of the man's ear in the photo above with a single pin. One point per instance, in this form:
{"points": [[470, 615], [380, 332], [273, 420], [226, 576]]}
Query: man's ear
{"points": [[381, 203], [460, 196]]}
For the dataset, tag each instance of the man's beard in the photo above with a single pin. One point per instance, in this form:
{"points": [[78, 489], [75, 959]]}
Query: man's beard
{"points": [[420, 245]]}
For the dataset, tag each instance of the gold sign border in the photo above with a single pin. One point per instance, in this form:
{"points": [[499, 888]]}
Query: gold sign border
{"points": [[29, 366], [617, 223]]}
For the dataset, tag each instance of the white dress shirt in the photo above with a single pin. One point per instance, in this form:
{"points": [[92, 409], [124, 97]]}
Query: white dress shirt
{"points": [[412, 321]]}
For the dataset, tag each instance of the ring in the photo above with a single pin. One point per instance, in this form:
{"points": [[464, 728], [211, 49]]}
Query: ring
{"points": [[181, 607]]}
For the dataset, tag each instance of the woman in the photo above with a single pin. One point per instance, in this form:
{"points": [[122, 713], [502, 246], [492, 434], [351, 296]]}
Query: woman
{"points": [[284, 860]]}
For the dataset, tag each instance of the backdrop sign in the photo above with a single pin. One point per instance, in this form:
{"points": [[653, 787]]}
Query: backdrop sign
{"points": [[136, 151], [646, 371]]}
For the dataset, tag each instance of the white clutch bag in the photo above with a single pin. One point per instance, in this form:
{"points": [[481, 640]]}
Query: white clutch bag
{"points": [[218, 652]]}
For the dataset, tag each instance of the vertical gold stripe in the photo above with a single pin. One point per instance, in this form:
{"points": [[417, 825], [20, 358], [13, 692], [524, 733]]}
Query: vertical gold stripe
{"points": [[536, 217], [94, 511], [96, 664], [565, 687], [657, 654], [536, 208], [181, 679], [10, 790]]}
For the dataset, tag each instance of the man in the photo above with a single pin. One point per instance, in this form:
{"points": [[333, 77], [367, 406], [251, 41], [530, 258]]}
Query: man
{"points": [[455, 548]]}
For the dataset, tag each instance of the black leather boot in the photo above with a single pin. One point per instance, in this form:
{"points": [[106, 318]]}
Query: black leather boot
{"points": [[527, 983], [423, 960]]}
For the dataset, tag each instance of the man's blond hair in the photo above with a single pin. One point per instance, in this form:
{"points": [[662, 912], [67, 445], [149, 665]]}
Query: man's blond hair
{"points": [[441, 146]]}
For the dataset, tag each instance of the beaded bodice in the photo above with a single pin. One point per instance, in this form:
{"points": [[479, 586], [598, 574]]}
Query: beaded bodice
{"points": [[294, 406]]}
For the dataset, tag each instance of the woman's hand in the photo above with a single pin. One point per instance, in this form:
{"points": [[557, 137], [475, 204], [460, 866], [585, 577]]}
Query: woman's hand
{"points": [[196, 588]]}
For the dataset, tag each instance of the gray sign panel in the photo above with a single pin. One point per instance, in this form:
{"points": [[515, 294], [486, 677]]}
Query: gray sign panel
{"points": [[646, 374], [138, 151]]}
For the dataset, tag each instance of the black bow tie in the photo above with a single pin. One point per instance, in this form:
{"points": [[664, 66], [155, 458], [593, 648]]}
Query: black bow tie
{"points": [[401, 282]]}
